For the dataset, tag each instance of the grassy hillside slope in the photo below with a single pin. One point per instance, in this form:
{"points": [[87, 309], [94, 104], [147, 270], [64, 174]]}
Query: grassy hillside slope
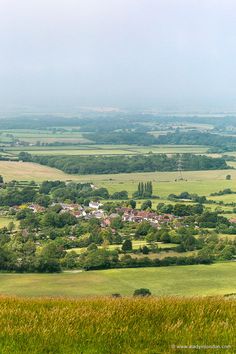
{"points": [[106, 325]]}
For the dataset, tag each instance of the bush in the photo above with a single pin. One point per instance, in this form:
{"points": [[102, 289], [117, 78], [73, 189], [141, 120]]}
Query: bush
{"points": [[142, 292], [127, 246]]}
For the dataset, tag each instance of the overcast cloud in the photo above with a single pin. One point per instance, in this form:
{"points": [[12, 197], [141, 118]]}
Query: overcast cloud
{"points": [[122, 53]]}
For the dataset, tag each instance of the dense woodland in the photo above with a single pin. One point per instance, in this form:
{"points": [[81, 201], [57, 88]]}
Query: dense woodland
{"points": [[127, 164], [193, 137], [198, 138], [122, 137]]}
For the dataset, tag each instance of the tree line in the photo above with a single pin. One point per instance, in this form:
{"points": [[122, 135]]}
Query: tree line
{"points": [[127, 164]]}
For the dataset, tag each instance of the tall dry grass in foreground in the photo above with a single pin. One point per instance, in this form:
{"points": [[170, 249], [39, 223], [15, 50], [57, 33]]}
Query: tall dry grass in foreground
{"points": [[122, 326]]}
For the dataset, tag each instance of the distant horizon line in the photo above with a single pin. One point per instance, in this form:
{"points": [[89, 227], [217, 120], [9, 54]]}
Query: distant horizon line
{"points": [[18, 111]]}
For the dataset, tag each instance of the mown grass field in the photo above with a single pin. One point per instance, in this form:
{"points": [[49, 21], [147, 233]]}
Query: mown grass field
{"points": [[106, 325], [215, 279], [25, 171]]}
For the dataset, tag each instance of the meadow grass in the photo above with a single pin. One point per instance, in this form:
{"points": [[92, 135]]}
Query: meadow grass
{"points": [[215, 279], [121, 325]]}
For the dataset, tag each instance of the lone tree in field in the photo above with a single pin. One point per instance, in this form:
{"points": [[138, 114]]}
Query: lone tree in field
{"points": [[142, 292], [132, 203], [228, 177], [127, 246]]}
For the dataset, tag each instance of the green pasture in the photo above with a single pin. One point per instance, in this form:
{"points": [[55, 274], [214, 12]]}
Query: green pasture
{"points": [[215, 279], [164, 183]]}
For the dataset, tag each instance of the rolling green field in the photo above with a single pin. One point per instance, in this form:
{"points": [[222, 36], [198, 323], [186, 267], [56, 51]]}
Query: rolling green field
{"points": [[108, 149], [215, 279], [126, 325], [200, 182], [164, 183]]}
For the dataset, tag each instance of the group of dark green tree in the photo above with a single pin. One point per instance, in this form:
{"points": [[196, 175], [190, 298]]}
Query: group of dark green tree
{"points": [[127, 164], [14, 193], [145, 190]]}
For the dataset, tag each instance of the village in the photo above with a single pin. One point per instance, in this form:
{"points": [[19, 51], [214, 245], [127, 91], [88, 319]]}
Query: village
{"points": [[95, 210]]}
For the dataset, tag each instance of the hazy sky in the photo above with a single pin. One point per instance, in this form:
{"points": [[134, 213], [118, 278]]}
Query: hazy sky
{"points": [[122, 53]]}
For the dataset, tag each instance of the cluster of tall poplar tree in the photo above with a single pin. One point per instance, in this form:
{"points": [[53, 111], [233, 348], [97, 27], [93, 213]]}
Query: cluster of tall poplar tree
{"points": [[145, 190]]}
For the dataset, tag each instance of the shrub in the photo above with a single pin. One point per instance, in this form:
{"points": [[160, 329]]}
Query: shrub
{"points": [[142, 292]]}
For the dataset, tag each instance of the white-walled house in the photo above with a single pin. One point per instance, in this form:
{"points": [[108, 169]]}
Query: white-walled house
{"points": [[95, 205]]}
